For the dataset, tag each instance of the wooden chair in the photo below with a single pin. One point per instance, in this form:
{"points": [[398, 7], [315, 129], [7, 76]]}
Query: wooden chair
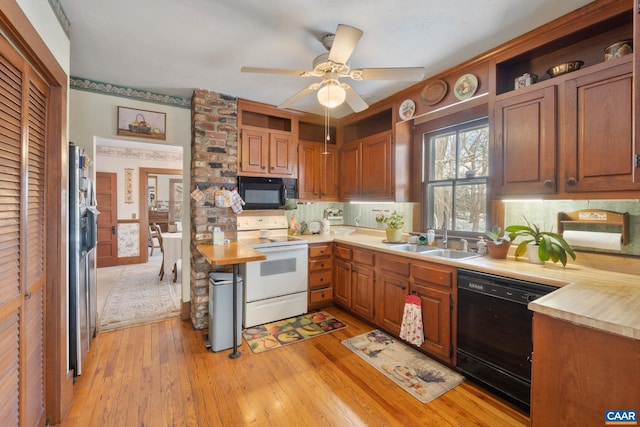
{"points": [[153, 240], [175, 266]]}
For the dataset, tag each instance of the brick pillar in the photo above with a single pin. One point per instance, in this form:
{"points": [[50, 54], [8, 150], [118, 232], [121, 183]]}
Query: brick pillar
{"points": [[214, 163]]}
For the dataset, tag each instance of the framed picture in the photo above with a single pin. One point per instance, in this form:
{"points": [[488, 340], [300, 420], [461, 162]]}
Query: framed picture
{"points": [[141, 123]]}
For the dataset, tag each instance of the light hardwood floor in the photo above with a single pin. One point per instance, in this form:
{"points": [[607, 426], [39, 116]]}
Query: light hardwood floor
{"points": [[161, 374]]}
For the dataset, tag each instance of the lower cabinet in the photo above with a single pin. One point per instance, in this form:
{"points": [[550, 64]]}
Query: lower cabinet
{"points": [[391, 290], [579, 373], [375, 285], [433, 283], [320, 275], [354, 279]]}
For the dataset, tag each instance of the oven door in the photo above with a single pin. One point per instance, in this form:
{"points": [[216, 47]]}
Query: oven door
{"points": [[283, 272]]}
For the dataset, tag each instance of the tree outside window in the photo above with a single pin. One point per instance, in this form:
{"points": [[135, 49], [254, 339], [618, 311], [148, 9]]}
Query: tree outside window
{"points": [[457, 167]]}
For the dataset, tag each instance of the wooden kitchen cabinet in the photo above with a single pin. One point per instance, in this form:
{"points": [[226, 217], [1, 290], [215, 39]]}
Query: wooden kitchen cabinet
{"points": [[266, 153], [320, 275], [317, 171], [598, 141], [391, 290], [524, 154], [366, 169], [266, 145], [354, 280], [578, 373], [434, 284]]}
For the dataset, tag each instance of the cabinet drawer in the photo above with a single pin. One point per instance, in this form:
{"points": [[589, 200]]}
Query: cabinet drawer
{"points": [[432, 274], [320, 250], [321, 295], [320, 279], [394, 265], [342, 252], [363, 257], [320, 264]]}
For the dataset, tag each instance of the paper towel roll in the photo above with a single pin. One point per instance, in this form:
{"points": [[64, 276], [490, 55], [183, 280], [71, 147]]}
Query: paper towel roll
{"points": [[593, 239]]}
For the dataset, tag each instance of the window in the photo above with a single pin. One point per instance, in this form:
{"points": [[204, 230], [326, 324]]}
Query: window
{"points": [[456, 166]]}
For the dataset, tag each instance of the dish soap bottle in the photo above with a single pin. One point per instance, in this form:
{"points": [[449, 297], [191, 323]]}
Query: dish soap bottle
{"points": [[482, 246]]}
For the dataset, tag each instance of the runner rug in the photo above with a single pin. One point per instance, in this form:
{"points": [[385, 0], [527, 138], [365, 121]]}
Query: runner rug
{"points": [[288, 331], [139, 297], [422, 377]]}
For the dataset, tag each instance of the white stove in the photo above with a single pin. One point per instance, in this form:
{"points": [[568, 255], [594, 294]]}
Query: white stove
{"points": [[275, 288]]}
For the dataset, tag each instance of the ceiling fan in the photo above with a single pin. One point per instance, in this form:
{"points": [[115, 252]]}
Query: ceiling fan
{"points": [[332, 66]]}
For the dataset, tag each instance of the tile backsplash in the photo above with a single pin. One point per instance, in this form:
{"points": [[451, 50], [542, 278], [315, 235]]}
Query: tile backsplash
{"points": [[544, 214]]}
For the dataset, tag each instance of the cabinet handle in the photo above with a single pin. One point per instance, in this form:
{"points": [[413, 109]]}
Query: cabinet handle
{"points": [[264, 167], [322, 279], [404, 288], [322, 265], [27, 295], [273, 167], [548, 183], [571, 181]]}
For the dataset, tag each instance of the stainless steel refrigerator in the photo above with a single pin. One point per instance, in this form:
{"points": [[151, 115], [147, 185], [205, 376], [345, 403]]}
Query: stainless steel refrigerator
{"points": [[82, 247]]}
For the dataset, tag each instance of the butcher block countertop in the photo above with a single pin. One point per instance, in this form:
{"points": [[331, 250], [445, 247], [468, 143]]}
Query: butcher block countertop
{"points": [[587, 295], [232, 253]]}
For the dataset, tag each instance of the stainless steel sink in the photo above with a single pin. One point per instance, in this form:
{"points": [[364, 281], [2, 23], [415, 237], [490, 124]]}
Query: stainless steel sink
{"points": [[450, 253], [417, 249]]}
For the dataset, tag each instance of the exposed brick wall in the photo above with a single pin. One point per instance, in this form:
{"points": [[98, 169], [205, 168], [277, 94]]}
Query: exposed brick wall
{"points": [[214, 154]]}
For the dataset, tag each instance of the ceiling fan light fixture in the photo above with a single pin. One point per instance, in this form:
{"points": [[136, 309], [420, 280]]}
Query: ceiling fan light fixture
{"points": [[331, 94]]}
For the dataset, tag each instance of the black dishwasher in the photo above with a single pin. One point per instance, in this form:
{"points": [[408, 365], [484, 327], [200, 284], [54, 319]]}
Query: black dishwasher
{"points": [[494, 331]]}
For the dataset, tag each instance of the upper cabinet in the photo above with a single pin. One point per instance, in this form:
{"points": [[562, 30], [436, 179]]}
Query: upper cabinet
{"points": [[370, 158], [570, 135], [267, 146], [317, 163]]}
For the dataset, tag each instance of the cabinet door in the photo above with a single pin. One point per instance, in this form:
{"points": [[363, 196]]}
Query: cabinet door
{"points": [[376, 167], [329, 173], [351, 172], [308, 172], [342, 282], [599, 133], [436, 320], [390, 296], [524, 159], [281, 154], [254, 151], [362, 290]]}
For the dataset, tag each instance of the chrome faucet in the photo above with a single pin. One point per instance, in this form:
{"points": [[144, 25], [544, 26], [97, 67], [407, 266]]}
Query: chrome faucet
{"points": [[465, 245], [445, 239]]}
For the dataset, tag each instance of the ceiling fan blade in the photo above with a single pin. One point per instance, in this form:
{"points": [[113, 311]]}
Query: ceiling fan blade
{"points": [[272, 71], [298, 96], [354, 100], [406, 73], [344, 43]]}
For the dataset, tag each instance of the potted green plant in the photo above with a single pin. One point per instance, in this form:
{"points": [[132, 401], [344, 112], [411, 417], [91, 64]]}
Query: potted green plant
{"points": [[498, 244], [393, 224], [540, 245]]}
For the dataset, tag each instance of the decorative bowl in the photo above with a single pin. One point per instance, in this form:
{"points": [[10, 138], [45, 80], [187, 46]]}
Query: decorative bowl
{"points": [[564, 68], [619, 49]]}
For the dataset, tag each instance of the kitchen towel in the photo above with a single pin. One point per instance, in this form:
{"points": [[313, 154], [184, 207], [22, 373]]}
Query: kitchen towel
{"points": [[411, 329], [593, 239], [236, 201]]}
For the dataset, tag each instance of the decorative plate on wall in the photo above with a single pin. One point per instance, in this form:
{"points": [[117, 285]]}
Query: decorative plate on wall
{"points": [[407, 108], [465, 87], [434, 92]]}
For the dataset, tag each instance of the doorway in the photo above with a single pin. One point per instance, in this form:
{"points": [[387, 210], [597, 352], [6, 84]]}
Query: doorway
{"points": [[135, 276]]}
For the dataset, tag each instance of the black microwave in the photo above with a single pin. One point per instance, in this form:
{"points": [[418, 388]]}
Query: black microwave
{"points": [[266, 193]]}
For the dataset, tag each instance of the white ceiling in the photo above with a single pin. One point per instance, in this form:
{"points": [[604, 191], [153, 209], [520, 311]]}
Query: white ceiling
{"points": [[173, 47]]}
